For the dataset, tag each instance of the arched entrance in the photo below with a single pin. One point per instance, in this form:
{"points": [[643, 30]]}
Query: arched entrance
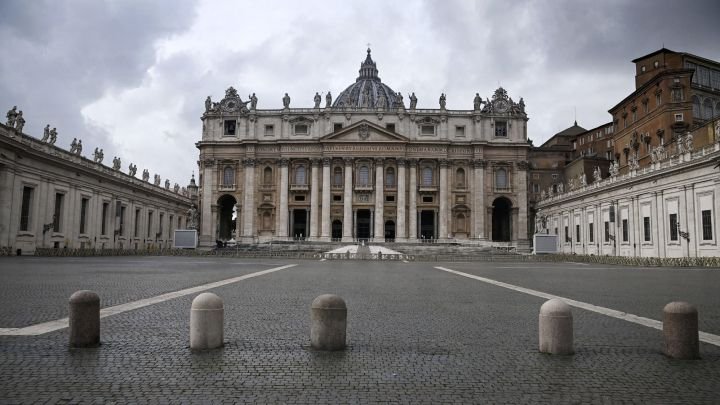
{"points": [[337, 229], [226, 216], [501, 220], [389, 231]]}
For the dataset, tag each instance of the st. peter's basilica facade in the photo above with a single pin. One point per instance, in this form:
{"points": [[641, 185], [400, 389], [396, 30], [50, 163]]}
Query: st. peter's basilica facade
{"points": [[364, 166]]}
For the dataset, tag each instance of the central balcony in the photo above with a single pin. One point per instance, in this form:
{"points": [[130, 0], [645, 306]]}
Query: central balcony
{"points": [[226, 187], [299, 187], [364, 187]]}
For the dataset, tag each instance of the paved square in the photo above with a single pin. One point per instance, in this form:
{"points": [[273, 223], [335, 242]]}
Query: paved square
{"points": [[416, 334]]}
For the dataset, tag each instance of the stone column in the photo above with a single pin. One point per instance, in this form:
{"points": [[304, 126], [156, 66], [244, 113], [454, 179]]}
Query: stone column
{"points": [[325, 232], [479, 199], [238, 221], [249, 200], [206, 236], [7, 182], [443, 220], [314, 185], [379, 228], [690, 218], [412, 200], [348, 223], [659, 220], [401, 234], [281, 226], [521, 184]]}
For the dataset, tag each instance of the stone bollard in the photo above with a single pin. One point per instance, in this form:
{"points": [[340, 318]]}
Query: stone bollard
{"points": [[680, 330], [206, 322], [328, 315], [556, 327], [84, 319]]}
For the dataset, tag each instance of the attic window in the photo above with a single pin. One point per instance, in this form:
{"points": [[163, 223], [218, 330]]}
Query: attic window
{"points": [[642, 69], [229, 127], [501, 129], [427, 130], [301, 129], [390, 127], [459, 130], [337, 126]]}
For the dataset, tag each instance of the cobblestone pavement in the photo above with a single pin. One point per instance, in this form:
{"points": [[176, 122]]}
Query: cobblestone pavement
{"points": [[415, 335]]}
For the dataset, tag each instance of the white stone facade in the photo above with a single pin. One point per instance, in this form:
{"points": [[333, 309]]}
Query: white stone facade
{"points": [[364, 168], [669, 209], [50, 197]]}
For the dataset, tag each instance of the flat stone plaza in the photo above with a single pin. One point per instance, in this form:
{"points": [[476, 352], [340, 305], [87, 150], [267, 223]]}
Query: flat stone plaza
{"points": [[417, 332]]}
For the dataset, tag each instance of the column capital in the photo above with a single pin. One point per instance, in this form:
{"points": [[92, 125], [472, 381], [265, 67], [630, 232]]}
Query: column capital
{"points": [[283, 162], [412, 162], [315, 161], [522, 165], [379, 161], [401, 161], [208, 162], [444, 162], [249, 162], [479, 163], [348, 161], [326, 161]]}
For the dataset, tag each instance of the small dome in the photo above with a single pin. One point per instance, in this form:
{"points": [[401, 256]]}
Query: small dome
{"points": [[367, 91]]}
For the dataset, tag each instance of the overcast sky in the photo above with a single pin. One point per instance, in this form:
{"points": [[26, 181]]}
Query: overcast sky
{"points": [[131, 77]]}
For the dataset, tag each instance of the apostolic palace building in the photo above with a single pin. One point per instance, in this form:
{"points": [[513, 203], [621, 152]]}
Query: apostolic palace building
{"points": [[364, 166]]}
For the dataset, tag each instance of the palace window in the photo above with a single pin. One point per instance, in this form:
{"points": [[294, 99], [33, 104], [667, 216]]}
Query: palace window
{"points": [[301, 129], [27, 198], [501, 178], [390, 177], [607, 231], [658, 100], [300, 178], [149, 223], [646, 229], [137, 222], [459, 130], [676, 95], [267, 176], [673, 227], [427, 176], [501, 129], [229, 127], [427, 130], [104, 218], [364, 176], [577, 233], [160, 224], [460, 178], [337, 126], [57, 214], [83, 214], [337, 197], [228, 176], [269, 130], [390, 127], [591, 232], [337, 176], [625, 235], [567, 234], [706, 217], [678, 117]]}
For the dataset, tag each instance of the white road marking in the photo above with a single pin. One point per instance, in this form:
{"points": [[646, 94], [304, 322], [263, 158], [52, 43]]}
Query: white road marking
{"points": [[322, 260], [405, 261], [58, 324], [651, 323], [579, 264]]}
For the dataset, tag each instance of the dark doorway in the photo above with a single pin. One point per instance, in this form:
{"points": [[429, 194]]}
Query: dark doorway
{"points": [[390, 231], [427, 224], [337, 229], [299, 224], [226, 220], [363, 224], [501, 222]]}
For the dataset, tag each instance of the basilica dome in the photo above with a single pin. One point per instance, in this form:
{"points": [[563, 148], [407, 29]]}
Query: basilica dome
{"points": [[367, 91]]}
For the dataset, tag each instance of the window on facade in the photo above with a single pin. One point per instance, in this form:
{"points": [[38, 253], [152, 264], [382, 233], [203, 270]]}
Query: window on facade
{"points": [[136, 225], [301, 129], [678, 117], [337, 197], [267, 221], [83, 214], [706, 218], [160, 224], [634, 116], [427, 130], [460, 178], [673, 227], [501, 129], [57, 214], [337, 176], [535, 188], [390, 127], [228, 176], [104, 218], [389, 198], [591, 232], [300, 178], [229, 127], [267, 176], [459, 130], [676, 95], [427, 176], [337, 126], [554, 176], [646, 229], [577, 233], [625, 230], [149, 223], [567, 234], [364, 176], [646, 108], [27, 198], [427, 199], [269, 130], [707, 109], [607, 231], [390, 177], [501, 178], [299, 198]]}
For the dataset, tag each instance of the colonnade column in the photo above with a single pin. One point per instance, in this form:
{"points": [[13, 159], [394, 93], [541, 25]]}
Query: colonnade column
{"points": [[249, 200], [379, 229], [412, 200], [347, 203], [325, 232], [443, 226], [281, 227], [521, 184], [7, 184], [401, 235], [314, 184], [479, 199], [207, 219]]}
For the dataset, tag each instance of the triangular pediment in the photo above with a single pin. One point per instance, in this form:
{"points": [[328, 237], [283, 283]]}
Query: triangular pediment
{"points": [[364, 131]]}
